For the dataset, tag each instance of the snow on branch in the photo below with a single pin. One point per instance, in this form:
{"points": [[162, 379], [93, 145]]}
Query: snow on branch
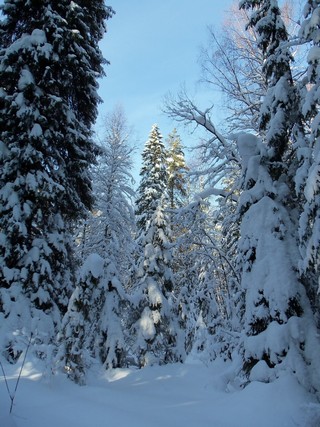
{"points": [[218, 192]]}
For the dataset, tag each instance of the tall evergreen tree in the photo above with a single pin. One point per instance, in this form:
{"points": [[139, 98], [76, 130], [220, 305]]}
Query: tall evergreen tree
{"points": [[49, 63], [80, 325], [177, 168], [279, 332], [91, 328], [280, 103], [154, 178], [156, 335], [308, 176]]}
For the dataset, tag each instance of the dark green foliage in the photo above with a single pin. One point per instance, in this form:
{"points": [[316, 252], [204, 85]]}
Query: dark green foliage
{"points": [[154, 178], [49, 63], [279, 109], [177, 169]]}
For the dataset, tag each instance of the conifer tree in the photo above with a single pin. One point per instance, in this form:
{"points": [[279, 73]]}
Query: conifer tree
{"points": [[177, 182], [279, 332], [80, 325], [156, 337], [92, 326], [308, 176], [276, 113], [154, 178], [49, 63], [110, 345]]}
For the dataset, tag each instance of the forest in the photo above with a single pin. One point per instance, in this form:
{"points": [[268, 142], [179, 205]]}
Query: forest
{"points": [[216, 259]]}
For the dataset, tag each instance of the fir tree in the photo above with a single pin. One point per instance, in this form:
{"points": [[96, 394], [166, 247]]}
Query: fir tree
{"points": [[92, 327], [49, 63], [280, 102], [308, 176], [111, 343], [279, 332], [154, 178], [81, 324], [158, 338], [177, 182]]}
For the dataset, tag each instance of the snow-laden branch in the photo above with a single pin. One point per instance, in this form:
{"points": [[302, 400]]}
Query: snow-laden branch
{"points": [[218, 192]]}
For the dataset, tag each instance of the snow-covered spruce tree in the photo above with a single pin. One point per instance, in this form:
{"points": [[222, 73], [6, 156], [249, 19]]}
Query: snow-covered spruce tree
{"points": [[156, 335], [280, 102], [308, 179], [154, 178], [111, 345], [178, 188], [177, 169], [49, 63], [279, 333], [92, 326], [80, 325]]}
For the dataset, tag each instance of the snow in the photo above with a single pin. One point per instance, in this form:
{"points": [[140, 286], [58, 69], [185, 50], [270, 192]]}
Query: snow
{"points": [[4, 152], [155, 296], [177, 395], [248, 146], [261, 372], [36, 131], [37, 38], [146, 324], [25, 80], [314, 54], [312, 184], [94, 265]]}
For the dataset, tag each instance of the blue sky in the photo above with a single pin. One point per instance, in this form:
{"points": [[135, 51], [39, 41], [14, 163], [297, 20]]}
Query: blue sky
{"points": [[153, 47]]}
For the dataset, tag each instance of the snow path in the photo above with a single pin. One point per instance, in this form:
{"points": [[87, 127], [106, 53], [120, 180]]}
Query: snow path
{"points": [[187, 395]]}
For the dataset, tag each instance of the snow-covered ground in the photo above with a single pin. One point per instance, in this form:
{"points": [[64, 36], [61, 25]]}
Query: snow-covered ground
{"points": [[187, 395]]}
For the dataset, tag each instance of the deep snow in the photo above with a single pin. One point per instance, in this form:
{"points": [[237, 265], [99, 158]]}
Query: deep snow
{"points": [[179, 395]]}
